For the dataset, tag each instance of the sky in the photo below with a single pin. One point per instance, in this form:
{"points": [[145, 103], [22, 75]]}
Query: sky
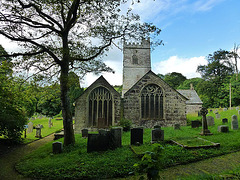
{"points": [[191, 29]]}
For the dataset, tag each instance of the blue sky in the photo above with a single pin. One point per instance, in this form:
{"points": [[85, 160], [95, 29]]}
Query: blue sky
{"points": [[191, 29]]}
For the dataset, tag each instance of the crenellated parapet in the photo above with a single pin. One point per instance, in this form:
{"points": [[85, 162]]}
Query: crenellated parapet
{"points": [[145, 43]]}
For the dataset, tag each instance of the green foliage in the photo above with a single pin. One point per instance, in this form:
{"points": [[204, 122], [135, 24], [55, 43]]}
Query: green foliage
{"points": [[174, 79], [187, 83], [151, 162], [126, 124]]}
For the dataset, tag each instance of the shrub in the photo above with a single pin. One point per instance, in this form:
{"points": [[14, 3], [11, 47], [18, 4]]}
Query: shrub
{"points": [[12, 121], [126, 124]]}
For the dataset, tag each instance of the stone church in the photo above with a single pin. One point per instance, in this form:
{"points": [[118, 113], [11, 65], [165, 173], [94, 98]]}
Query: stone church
{"points": [[146, 99]]}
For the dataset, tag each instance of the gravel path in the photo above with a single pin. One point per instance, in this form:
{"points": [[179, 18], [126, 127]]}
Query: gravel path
{"points": [[8, 161]]}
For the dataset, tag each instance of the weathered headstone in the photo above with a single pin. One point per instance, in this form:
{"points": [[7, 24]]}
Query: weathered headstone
{"points": [[50, 123], [38, 131], [237, 108], [218, 116], [157, 135], [84, 133], [223, 128], [116, 137], [136, 136], [225, 109], [176, 126], [238, 112], [57, 147], [224, 120], [210, 121], [97, 142], [234, 124], [30, 127], [195, 124]]}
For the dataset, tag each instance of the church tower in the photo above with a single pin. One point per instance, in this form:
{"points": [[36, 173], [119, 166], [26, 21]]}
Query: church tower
{"points": [[136, 63]]}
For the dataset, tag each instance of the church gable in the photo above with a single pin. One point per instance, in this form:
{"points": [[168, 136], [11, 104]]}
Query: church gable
{"points": [[98, 106], [152, 101]]}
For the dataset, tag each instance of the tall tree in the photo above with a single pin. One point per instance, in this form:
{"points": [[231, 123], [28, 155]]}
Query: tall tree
{"points": [[219, 66], [236, 57], [174, 79], [65, 35]]}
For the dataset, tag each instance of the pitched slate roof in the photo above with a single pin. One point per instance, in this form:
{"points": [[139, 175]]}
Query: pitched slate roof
{"points": [[191, 95]]}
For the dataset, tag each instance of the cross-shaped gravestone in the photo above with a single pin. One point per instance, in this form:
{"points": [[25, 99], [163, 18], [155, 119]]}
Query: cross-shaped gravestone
{"points": [[205, 130]]}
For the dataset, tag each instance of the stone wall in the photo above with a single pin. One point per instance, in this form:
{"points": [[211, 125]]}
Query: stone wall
{"points": [[174, 104], [193, 108]]}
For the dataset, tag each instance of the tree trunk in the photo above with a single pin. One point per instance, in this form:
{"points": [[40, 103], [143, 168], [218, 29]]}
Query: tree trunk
{"points": [[66, 110]]}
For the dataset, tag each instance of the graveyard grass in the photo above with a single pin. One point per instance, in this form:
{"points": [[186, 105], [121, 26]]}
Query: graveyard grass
{"points": [[45, 131], [76, 163]]}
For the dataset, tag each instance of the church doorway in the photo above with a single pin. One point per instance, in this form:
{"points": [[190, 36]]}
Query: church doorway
{"points": [[100, 108]]}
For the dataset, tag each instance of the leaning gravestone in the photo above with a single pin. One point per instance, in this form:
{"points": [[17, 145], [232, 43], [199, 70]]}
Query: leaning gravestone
{"points": [[84, 133], [210, 121], [195, 124], [224, 120], [176, 126], [223, 128], [157, 135], [136, 136], [57, 147], [234, 123], [30, 127]]}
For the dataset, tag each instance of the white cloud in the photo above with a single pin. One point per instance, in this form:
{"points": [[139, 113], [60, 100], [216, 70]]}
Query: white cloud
{"points": [[185, 66], [113, 79], [205, 5]]}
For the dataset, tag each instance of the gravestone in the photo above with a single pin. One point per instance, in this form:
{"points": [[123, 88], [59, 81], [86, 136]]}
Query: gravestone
{"points": [[225, 109], [218, 116], [237, 108], [116, 137], [223, 128], [195, 124], [38, 131], [136, 136], [50, 123], [205, 130], [238, 112], [210, 121], [30, 127], [97, 142], [57, 147], [84, 133], [224, 120], [176, 126], [157, 135], [234, 124]]}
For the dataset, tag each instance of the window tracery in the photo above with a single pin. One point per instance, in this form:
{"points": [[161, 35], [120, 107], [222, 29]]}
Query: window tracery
{"points": [[152, 102]]}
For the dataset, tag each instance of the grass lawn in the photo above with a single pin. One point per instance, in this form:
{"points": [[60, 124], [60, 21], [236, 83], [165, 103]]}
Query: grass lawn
{"points": [[76, 163], [45, 131]]}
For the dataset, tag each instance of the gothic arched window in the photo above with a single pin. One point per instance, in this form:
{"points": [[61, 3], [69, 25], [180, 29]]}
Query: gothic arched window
{"points": [[152, 102], [100, 108]]}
